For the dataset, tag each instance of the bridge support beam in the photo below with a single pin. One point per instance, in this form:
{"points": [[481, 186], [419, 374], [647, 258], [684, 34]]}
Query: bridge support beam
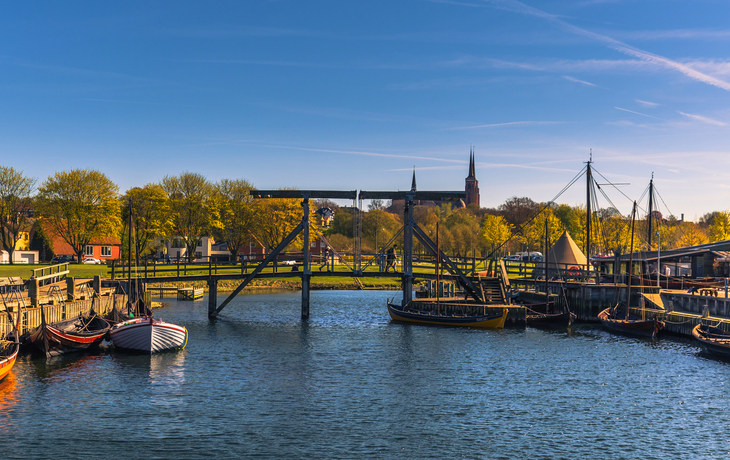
{"points": [[407, 279], [306, 268], [212, 297]]}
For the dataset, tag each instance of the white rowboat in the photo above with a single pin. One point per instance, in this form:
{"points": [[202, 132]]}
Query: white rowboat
{"points": [[148, 335]]}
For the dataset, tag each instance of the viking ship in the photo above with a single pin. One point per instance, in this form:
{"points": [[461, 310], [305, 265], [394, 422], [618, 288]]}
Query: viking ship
{"points": [[412, 314], [713, 339], [70, 335]]}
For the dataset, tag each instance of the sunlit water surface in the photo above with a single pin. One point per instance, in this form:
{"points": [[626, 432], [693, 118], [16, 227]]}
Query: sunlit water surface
{"points": [[259, 382]]}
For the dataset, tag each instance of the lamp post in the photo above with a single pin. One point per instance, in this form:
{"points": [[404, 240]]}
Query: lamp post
{"points": [[658, 259]]}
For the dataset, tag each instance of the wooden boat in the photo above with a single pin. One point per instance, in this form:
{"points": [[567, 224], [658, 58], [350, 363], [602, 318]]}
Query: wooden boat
{"points": [[714, 340], [70, 335], [412, 315], [9, 348], [148, 335], [550, 320], [630, 324]]}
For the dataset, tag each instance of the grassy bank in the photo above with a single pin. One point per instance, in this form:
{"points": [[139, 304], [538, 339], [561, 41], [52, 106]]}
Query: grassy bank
{"points": [[77, 270]]}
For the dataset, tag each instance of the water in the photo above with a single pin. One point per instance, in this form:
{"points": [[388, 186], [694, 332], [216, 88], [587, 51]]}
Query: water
{"points": [[259, 382]]}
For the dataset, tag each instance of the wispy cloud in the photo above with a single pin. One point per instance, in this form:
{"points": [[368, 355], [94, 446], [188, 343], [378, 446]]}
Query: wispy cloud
{"points": [[521, 8], [707, 120], [648, 104], [507, 124], [639, 113], [679, 34], [575, 80]]}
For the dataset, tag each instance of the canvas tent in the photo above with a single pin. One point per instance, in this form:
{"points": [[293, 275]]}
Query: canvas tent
{"points": [[565, 254]]}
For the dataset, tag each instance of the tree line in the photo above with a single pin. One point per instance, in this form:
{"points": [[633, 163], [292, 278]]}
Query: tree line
{"points": [[82, 206]]}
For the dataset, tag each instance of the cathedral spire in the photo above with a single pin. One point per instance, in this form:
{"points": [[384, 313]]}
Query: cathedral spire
{"points": [[472, 173], [413, 182]]}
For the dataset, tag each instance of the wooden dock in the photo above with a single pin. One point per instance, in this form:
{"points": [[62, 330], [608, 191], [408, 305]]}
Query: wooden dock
{"points": [[189, 293]]}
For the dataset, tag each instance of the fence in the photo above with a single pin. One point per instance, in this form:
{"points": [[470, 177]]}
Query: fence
{"points": [[32, 316]]}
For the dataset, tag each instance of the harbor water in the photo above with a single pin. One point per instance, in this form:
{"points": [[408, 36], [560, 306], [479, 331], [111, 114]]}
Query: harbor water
{"points": [[348, 383]]}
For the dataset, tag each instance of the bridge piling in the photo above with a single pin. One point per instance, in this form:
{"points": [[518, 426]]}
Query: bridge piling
{"points": [[306, 269], [212, 297]]}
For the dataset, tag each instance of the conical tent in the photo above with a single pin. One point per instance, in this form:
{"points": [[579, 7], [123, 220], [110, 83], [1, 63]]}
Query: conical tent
{"points": [[565, 252]]}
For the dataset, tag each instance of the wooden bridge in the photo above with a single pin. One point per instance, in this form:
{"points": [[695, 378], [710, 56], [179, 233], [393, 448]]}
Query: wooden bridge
{"points": [[355, 264]]}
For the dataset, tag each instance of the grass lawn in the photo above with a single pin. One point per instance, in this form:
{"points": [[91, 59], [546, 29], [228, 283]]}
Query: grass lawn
{"points": [[77, 270]]}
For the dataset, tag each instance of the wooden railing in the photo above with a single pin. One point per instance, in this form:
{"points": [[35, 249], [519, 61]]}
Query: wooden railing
{"points": [[51, 271]]}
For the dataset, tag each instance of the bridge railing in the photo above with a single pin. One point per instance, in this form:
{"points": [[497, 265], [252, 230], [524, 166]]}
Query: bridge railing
{"points": [[287, 262], [536, 271]]}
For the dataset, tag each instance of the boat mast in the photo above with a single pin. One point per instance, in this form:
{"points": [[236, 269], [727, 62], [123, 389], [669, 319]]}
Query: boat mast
{"points": [[651, 207], [438, 270], [631, 262], [589, 178], [129, 260]]}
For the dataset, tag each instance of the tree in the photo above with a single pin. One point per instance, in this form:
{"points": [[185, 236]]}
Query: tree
{"points": [[378, 227], [517, 211], [238, 213], [494, 231], [151, 215], [194, 208], [15, 198], [688, 234], [80, 206], [278, 217], [376, 204], [533, 233], [720, 228]]}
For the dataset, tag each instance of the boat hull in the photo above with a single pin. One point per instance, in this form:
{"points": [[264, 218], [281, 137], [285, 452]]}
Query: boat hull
{"points": [[644, 328], [548, 320], [7, 362], [61, 339], [492, 321], [713, 340], [148, 335]]}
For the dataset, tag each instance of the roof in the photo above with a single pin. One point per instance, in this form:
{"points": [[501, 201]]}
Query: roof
{"points": [[565, 251]]}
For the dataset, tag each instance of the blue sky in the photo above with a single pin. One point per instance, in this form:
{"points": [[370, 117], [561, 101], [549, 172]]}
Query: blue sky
{"points": [[353, 95]]}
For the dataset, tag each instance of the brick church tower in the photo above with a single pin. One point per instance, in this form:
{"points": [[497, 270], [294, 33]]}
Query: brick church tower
{"points": [[472, 184]]}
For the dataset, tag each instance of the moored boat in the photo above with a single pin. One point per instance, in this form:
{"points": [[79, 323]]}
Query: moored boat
{"points": [[9, 348], [713, 340], [70, 335], [630, 324], [412, 314], [550, 320], [148, 335]]}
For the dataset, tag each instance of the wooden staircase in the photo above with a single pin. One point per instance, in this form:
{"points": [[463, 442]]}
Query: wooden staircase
{"points": [[492, 290]]}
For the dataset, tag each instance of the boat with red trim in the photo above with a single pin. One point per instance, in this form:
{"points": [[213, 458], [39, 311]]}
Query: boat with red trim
{"points": [[73, 334]]}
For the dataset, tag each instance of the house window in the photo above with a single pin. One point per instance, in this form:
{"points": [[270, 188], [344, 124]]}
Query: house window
{"points": [[198, 255], [106, 251], [322, 244], [314, 244], [89, 251]]}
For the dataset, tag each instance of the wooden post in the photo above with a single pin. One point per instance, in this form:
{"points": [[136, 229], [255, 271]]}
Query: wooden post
{"points": [[114, 263], [212, 297], [70, 288], [33, 292], [97, 284], [408, 250]]}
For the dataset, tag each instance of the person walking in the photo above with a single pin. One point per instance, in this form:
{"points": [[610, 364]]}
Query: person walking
{"points": [[326, 259], [390, 262]]}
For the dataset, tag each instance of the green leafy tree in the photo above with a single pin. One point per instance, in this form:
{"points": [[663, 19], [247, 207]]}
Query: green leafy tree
{"points": [[379, 226], [151, 216], [194, 209], [720, 228], [15, 198], [80, 206], [494, 231], [238, 213]]}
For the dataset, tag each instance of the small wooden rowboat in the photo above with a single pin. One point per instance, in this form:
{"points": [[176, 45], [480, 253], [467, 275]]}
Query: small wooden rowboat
{"points": [[550, 320], [9, 348], [714, 340], [70, 335], [632, 325], [148, 335], [407, 315]]}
